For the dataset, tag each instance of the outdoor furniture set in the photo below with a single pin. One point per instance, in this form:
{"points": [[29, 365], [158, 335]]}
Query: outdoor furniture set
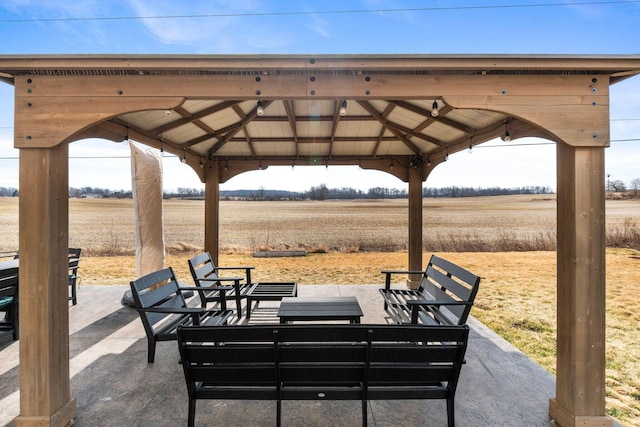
{"points": [[419, 357], [9, 274]]}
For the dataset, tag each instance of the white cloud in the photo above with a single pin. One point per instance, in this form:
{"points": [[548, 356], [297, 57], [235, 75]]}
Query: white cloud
{"points": [[320, 26], [217, 25]]}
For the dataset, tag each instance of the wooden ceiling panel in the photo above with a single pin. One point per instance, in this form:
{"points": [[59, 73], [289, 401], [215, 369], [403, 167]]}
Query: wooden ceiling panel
{"points": [[222, 119], [393, 148], [314, 129], [273, 130], [358, 129], [443, 132], [353, 148], [279, 149], [184, 133], [314, 149], [235, 149], [149, 119]]}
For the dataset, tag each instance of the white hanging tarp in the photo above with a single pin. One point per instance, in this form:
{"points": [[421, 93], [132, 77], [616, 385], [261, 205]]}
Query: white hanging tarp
{"points": [[146, 183]]}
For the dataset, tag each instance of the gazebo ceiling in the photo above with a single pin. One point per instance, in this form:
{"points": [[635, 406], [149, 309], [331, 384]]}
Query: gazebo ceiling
{"points": [[289, 129], [252, 125]]}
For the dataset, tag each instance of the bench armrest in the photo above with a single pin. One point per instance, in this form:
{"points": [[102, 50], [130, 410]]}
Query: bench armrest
{"points": [[402, 272], [388, 273], [246, 268], [195, 312], [206, 288], [221, 279], [174, 310], [416, 304], [437, 302]]}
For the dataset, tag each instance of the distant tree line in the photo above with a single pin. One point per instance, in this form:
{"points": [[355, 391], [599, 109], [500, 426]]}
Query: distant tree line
{"points": [[8, 192], [322, 192], [476, 192], [95, 192]]}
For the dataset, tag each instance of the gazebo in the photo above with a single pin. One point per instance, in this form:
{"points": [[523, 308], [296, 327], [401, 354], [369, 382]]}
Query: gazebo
{"points": [[401, 114]]}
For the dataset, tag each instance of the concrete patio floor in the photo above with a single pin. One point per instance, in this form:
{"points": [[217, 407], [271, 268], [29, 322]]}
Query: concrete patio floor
{"points": [[114, 385]]}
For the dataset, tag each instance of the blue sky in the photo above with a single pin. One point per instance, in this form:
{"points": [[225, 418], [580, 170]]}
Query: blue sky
{"points": [[331, 27]]}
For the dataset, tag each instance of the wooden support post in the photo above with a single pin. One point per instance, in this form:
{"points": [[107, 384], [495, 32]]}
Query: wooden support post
{"points": [[45, 397], [580, 380], [415, 225], [212, 210]]}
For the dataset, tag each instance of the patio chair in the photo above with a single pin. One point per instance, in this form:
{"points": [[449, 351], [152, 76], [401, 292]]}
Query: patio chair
{"points": [[9, 300], [161, 304], [74, 260], [205, 275]]}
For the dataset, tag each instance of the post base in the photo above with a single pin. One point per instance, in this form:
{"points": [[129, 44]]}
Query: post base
{"points": [[65, 416], [563, 418]]}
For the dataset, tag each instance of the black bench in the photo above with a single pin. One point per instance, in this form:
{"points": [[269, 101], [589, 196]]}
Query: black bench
{"points": [[332, 362], [9, 300], [445, 295], [74, 261], [161, 304]]}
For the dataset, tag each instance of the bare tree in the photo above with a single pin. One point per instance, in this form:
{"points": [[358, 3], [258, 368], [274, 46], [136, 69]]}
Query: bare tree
{"points": [[635, 186], [618, 186]]}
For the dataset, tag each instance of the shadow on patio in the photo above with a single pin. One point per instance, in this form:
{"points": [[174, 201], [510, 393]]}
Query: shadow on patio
{"points": [[114, 385]]}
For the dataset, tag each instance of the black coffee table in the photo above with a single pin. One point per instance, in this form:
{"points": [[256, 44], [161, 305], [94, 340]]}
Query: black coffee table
{"points": [[320, 309]]}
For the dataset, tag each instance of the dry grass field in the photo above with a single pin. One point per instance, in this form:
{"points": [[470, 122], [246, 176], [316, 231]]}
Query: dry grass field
{"points": [[351, 241]]}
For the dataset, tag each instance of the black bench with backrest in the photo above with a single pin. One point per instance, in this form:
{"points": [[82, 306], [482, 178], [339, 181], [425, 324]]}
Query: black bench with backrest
{"points": [[211, 285], [74, 263], [9, 300], [445, 295], [162, 306], [332, 362]]}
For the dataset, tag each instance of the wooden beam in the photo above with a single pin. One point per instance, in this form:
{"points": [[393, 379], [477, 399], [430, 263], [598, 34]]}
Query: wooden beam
{"points": [[378, 85], [187, 117], [397, 128], [212, 210], [261, 64], [581, 363], [289, 108], [430, 119], [45, 392], [237, 127], [336, 120], [578, 119], [547, 101], [394, 129], [415, 225], [49, 119], [347, 118], [383, 129]]}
